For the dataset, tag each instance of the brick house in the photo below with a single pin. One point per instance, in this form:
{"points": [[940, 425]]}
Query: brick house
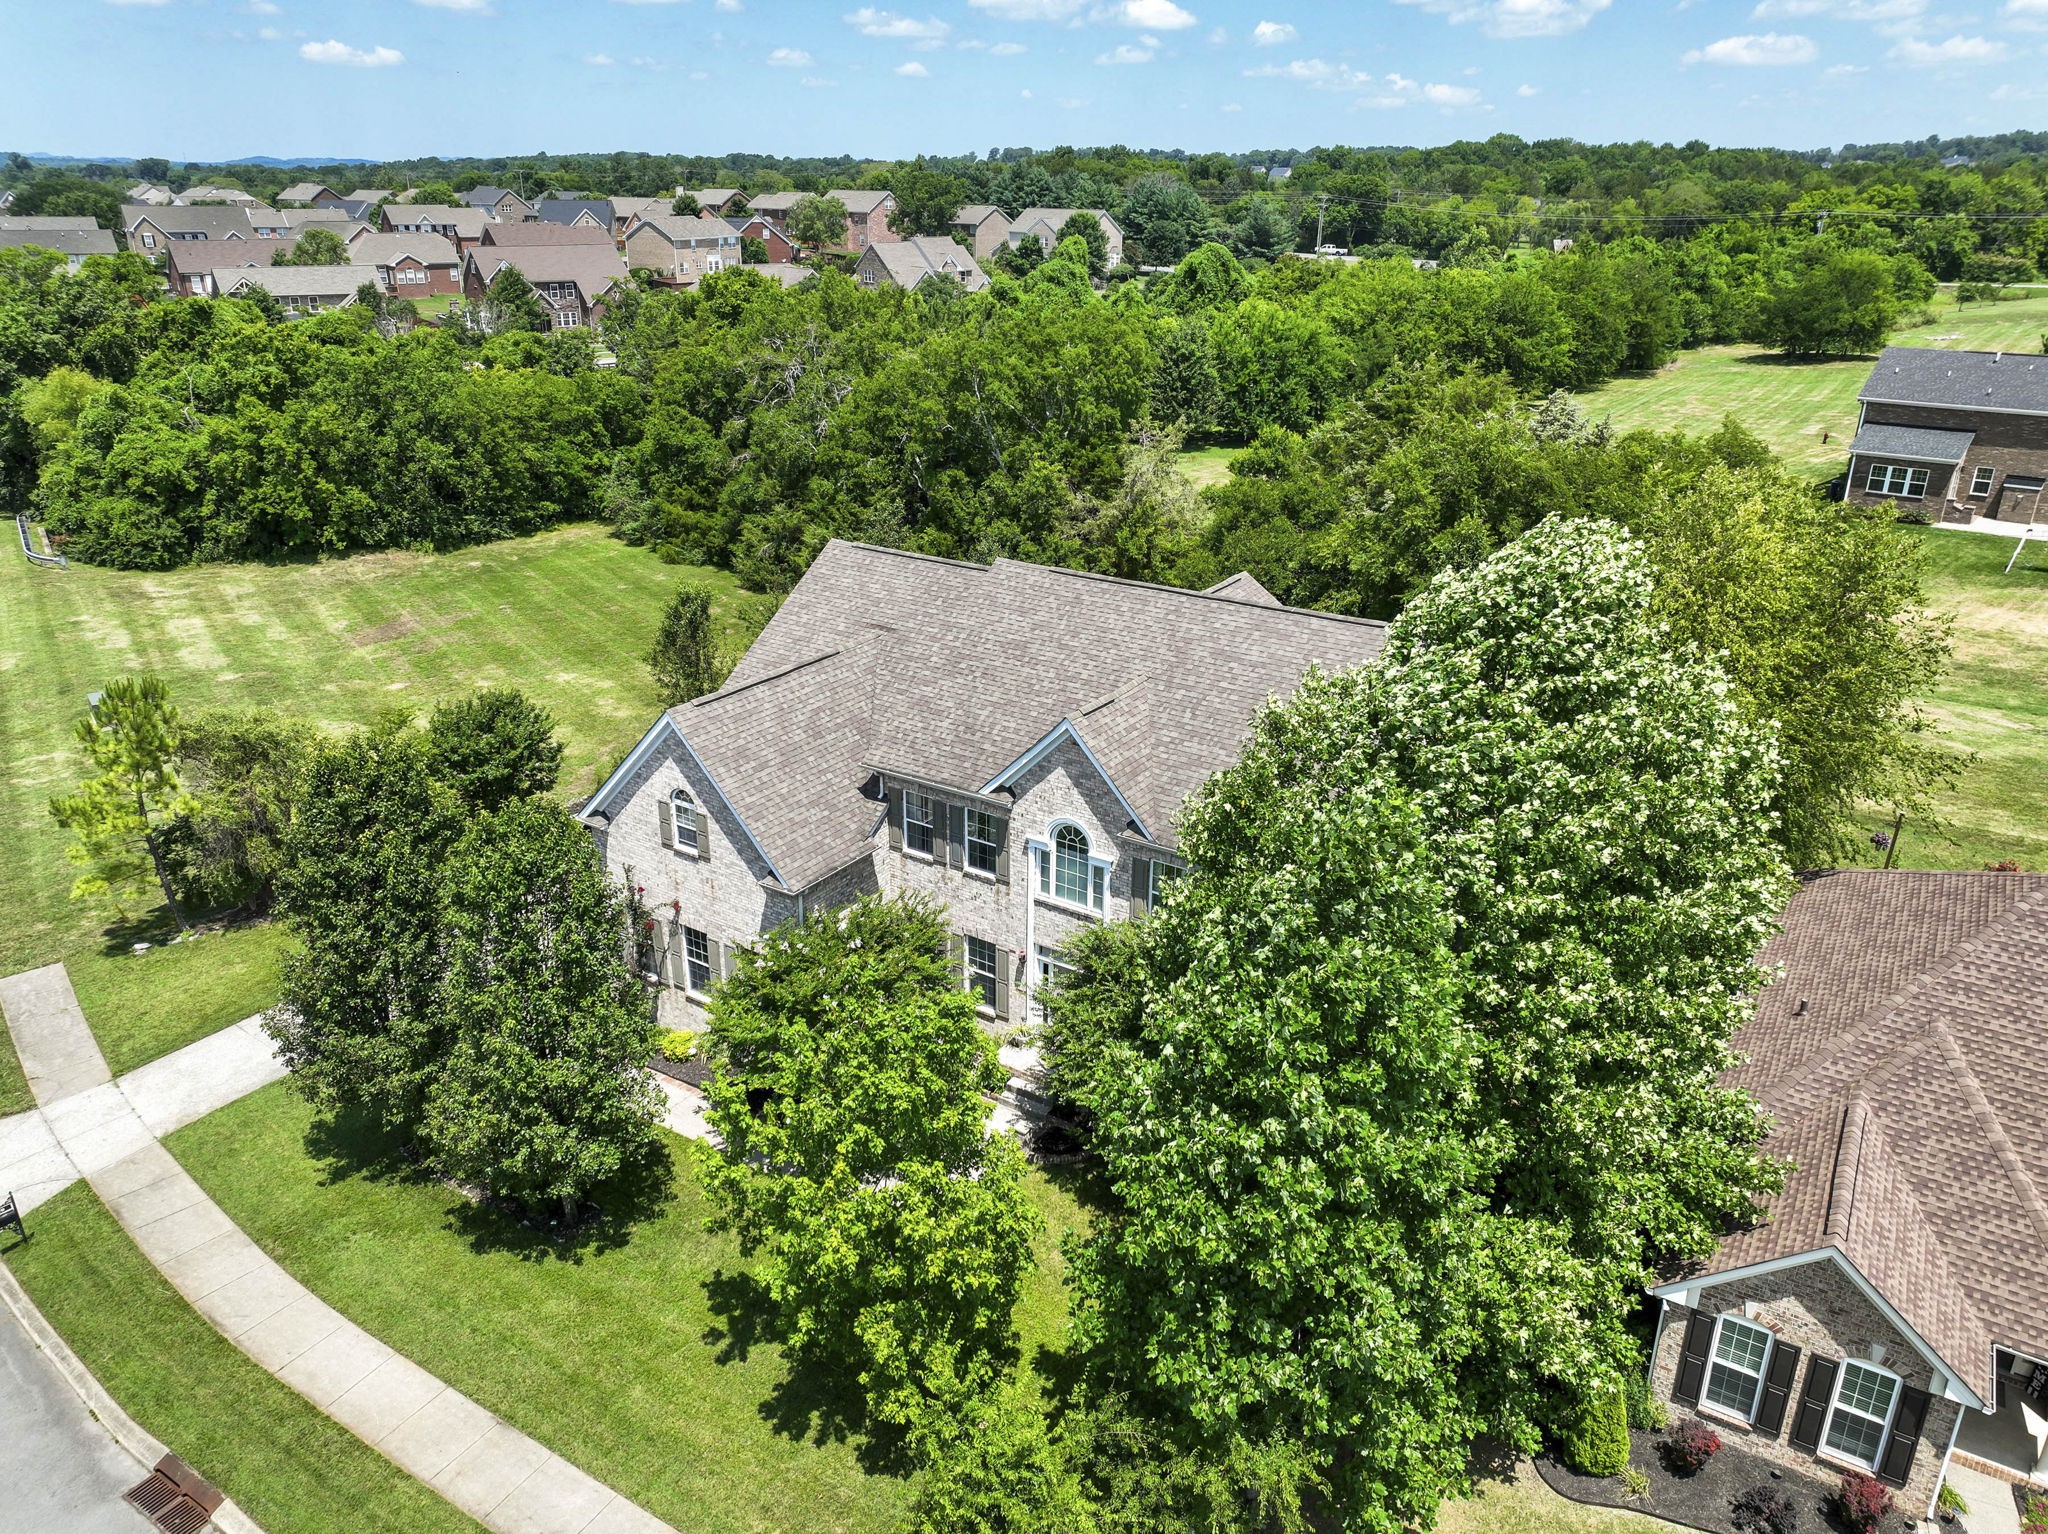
{"points": [[152, 230], [463, 227], [297, 289], [1003, 737], [717, 201], [499, 203], [1044, 225], [594, 211], [573, 280], [755, 226], [408, 265], [926, 258], [986, 226], [1947, 436], [308, 194], [1892, 1311], [867, 214], [682, 250]]}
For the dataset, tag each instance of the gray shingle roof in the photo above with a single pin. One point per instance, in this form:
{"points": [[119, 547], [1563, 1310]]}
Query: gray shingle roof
{"points": [[1904, 1060], [220, 222], [488, 196], [69, 242], [909, 262], [468, 223], [546, 234], [1960, 380], [377, 249], [593, 268], [21, 221], [291, 281], [676, 228], [948, 672], [977, 212], [566, 210], [1928, 443], [860, 203]]}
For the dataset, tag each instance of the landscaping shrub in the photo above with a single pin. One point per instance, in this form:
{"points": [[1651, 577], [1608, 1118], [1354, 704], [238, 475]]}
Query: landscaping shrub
{"points": [[1764, 1509], [677, 1044], [1597, 1442], [2035, 1519], [1645, 1411], [1634, 1483], [1690, 1445], [1862, 1502], [1950, 1502]]}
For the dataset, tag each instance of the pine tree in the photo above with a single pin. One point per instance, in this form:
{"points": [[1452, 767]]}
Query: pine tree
{"points": [[120, 817]]}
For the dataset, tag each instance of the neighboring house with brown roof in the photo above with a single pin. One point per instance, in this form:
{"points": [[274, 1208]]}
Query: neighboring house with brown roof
{"points": [[1005, 738], [1951, 435], [297, 289], [309, 193], [572, 280], [925, 258], [546, 234], [627, 211], [681, 250], [463, 227], [986, 226], [721, 201], [867, 214], [1044, 225], [499, 202], [410, 265], [151, 194], [215, 194], [1893, 1308], [152, 229]]}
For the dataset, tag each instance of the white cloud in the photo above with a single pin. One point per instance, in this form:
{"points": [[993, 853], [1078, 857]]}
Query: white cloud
{"points": [[878, 23], [1233, 106], [270, 34], [2019, 93], [1518, 18], [728, 6], [1153, 15], [1270, 34], [1144, 52], [814, 83], [789, 58], [913, 70], [1842, 10], [1072, 103], [1024, 95], [1526, 90], [1006, 50], [2029, 10], [332, 52], [1029, 10], [473, 7], [700, 74], [1755, 48], [1843, 71], [138, 2], [261, 8], [600, 60], [1371, 90], [1921, 54]]}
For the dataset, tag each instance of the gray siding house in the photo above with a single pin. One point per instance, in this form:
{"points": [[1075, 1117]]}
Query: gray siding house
{"points": [[1011, 739]]}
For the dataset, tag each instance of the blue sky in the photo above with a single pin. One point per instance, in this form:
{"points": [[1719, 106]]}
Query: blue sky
{"points": [[217, 79]]}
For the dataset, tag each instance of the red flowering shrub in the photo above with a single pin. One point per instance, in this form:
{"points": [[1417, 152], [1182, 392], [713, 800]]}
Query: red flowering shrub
{"points": [[1689, 1445], [2003, 866], [1862, 1501], [2035, 1519]]}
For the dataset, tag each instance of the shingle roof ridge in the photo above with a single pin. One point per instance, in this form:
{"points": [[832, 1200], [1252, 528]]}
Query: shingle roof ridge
{"points": [[1780, 1090], [1188, 591], [936, 559], [1992, 1128], [724, 693]]}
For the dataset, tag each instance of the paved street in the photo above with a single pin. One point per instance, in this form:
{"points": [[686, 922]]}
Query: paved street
{"points": [[63, 1473]]}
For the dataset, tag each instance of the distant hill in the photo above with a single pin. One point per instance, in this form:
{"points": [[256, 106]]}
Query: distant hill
{"points": [[272, 161]]}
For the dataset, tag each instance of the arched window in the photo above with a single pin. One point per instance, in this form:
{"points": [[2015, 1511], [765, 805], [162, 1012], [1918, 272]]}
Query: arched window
{"points": [[689, 836], [1070, 864]]}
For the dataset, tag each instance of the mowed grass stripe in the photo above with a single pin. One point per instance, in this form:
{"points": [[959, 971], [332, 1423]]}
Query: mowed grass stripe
{"points": [[566, 616]]}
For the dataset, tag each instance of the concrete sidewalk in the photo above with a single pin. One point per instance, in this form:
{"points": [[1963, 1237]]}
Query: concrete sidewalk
{"points": [[479, 1462]]}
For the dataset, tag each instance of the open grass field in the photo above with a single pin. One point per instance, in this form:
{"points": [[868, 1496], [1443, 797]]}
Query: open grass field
{"points": [[292, 1469], [1993, 702], [565, 615], [1791, 404], [1205, 466], [638, 1362]]}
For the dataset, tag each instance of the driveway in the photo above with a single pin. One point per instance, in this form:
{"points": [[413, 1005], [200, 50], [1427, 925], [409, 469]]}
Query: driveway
{"points": [[64, 1474]]}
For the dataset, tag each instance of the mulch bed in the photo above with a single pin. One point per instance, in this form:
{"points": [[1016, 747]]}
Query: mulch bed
{"points": [[1700, 1500], [694, 1071]]}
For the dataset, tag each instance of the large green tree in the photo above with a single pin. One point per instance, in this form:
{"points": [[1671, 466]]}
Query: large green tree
{"points": [[510, 304], [315, 246], [1835, 303], [541, 1096], [121, 815], [1412, 1077], [685, 660], [493, 746], [856, 1162], [818, 223]]}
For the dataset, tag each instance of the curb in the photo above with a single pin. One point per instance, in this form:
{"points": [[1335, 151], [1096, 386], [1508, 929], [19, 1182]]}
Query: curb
{"points": [[142, 1445]]}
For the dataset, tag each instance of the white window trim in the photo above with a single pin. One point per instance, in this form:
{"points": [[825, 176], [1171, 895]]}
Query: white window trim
{"points": [[1884, 1436], [678, 800], [1904, 473], [1982, 478], [930, 823], [1763, 1373], [969, 974], [702, 998], [1044, 892], [968, 842]]}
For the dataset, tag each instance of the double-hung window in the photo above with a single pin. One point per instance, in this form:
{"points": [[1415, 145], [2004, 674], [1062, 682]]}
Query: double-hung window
{"points": [[697, 960], [984, 841], [1895, 479], [1735, 1373], [1980, 481], [1861, 1413], [917, 823], [981, 970], [1067, 873], [688, 832]]}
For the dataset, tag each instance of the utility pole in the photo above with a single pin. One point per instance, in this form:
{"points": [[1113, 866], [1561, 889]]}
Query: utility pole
{"points": [[1322, 202]]}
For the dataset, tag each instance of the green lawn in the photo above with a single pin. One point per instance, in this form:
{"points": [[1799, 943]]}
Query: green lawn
{"points": [[292, 1469], [14, 1093], [565, 615], [1205, 466], [1993, 701], [1524, 1505], [635, 1362], [1790, 404]]}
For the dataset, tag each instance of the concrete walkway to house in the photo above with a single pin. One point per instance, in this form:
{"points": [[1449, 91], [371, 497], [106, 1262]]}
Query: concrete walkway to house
{"points": [[482, 1464], [1992, 1509]]}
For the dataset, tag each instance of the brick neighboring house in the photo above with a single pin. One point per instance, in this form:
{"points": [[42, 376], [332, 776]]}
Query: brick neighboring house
{"points": [[499, 203], [151, 230], [717, 201], [594, 211], [1893, 1308], [1044, 225], [755, 226], [628, 211], [572, 280], [586, 235], [682, 250], [1003, 737], [309, 193], [191, 266], [463, 227], [409, 265], [1952, 435], [58, 233], [924, 258], [867, 214], [297, 289], [986, 225]]}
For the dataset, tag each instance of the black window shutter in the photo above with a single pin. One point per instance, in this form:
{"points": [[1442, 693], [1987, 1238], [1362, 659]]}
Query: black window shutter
{"points": [[956, 835], [1692, 1358], [1770, 1411], [895, 819], [1141, 886], [1813, 1402], [1002, 850], [1896, 1463], [668, 823]]}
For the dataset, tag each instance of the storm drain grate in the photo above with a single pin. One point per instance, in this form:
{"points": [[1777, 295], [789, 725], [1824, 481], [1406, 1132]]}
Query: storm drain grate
{"points": [[176, 1498]]}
